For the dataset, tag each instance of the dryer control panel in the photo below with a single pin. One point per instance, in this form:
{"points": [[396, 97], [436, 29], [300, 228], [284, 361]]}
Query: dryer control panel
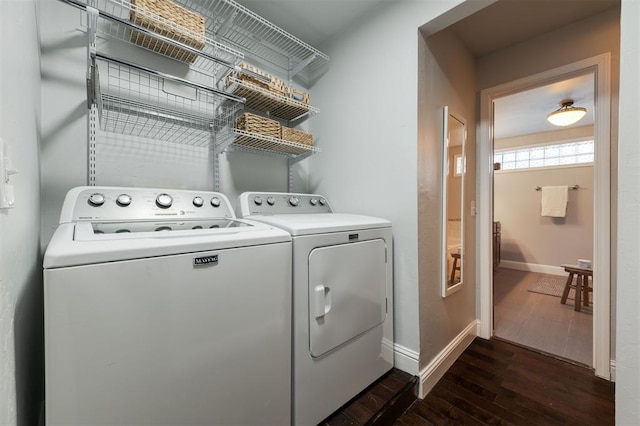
{"points": [[265, 203], [102, 203]]}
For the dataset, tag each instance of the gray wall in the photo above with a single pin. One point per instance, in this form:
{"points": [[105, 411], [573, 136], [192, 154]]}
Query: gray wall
{"points": [[526, 236], [21, 333], [628, 291], [446, 77]]}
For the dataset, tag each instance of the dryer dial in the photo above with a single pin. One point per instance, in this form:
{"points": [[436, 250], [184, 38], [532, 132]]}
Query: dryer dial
{"points": [[271, 201], [164, 201], [215, 202], [294, 201], [96, 199], [322, 201], [313, 201], [258, 200]]}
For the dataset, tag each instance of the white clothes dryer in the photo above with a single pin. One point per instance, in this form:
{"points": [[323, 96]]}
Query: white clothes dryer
{"points": [[162, 308], [342, 298]]}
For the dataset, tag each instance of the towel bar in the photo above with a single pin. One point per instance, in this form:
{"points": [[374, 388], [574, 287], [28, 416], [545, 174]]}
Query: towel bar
{"points": [[539, 188]]}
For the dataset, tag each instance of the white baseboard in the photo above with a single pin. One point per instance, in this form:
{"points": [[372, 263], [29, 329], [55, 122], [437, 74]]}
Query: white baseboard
{"points": [[433, 372], [406, 359], [533, 267], [613, 370]]}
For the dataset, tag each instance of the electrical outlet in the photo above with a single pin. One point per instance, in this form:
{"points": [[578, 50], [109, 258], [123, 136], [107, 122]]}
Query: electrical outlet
{"points": [[473, 208]]}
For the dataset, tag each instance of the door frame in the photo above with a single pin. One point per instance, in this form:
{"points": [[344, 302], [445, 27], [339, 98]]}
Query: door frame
{"points": [[600, 67]]}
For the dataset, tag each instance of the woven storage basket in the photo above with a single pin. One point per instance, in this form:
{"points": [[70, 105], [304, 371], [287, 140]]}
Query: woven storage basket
{"points": [[295, 135], [170, 20], [273, 84], [298, 95], [260, 125]]}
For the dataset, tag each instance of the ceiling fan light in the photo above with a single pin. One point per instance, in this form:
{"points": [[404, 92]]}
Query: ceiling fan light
{"points": [[566, 115]]}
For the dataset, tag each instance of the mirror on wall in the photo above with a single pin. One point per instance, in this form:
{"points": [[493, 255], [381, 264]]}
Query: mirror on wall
{"points": [[453, 170]]}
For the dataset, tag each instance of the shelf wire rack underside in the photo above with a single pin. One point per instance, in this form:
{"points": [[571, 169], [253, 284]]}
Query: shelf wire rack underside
{"points": [[241, 140], [237, 26]]}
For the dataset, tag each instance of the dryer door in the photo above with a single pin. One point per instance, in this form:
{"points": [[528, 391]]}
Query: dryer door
{"points": [[346, 293]]}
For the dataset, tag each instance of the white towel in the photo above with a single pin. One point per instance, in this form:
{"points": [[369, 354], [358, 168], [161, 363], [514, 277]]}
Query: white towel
{"points": [[554, 201]]}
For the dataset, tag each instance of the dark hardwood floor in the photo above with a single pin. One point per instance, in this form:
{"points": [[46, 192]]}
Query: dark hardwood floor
{"points": [[493, 382]]}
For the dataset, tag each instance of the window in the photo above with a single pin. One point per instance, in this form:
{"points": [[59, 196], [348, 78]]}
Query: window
{"points": [[558, 155], [460, 165]]}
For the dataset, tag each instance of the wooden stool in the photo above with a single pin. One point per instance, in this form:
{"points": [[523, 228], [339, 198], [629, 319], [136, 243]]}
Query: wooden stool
{"points": [[581, 285], [455, 267]]}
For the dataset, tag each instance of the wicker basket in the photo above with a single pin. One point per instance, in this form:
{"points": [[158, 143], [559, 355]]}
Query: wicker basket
{"points": [[272, 84], [259, 125], [295, 135], [298, 95], [170, 20]]}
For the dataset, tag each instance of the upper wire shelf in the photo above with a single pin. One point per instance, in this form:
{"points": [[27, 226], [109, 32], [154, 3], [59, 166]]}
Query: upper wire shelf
{"points": [[214, 59], [262, 99], [237, 26], [136, 101]]}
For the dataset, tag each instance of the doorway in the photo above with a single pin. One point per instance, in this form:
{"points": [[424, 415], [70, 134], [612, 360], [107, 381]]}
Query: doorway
{"points": [[532, 158], [599, 67]]}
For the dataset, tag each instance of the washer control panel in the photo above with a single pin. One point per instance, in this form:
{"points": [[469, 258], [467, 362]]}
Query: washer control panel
{"points": [[114, 203], [251, 203]]}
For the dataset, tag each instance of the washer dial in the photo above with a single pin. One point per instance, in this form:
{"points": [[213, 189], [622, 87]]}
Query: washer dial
{"points": [[96, 199], [294, 201], [271, 201], [198, 201], [215, 202], [258, 200], [123, 200], [164, 201]]}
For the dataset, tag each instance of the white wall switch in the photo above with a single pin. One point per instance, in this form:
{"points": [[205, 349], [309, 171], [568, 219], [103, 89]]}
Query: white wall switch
{"points": [[7, 200]]}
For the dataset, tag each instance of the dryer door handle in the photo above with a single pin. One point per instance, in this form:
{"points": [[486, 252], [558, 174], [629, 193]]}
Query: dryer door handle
{"points": [[321, 301]]}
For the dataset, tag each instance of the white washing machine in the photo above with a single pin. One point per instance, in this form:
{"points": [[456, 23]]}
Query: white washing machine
{"points": [[161, 308], [342, 298]]}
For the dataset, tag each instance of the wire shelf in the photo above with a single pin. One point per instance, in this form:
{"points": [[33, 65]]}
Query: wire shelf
{"points": [[237, 26], [264, 100], [207, 62], [240, 140], [134, 102]]}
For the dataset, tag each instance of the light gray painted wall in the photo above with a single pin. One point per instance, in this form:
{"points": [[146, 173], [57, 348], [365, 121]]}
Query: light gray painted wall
{"points": [[628, 291], [21, 333], [584, 39], [526, 236], [446, 77], [368, 132], [125, 160]]}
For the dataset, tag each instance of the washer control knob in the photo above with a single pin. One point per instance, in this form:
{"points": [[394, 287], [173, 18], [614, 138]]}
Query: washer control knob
{"points": [[271, 201], [215, 202], [258, 200], [96, 199], [123, 200], [164, 201], [198, 201], [322, 201], [294, 201], [313, 201]]}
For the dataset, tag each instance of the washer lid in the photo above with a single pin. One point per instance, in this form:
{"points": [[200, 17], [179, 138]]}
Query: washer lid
{"points": [[75, 244], [307, 224]]}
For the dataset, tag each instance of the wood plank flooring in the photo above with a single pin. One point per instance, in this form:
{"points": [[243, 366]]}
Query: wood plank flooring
{"points": [[493, 382], [540, 321]]}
